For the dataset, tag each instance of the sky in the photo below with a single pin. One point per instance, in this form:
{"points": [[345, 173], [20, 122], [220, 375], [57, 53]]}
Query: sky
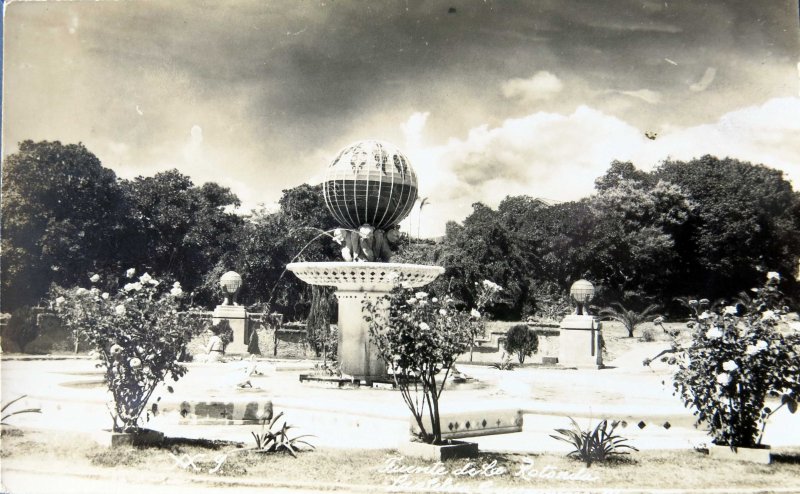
{"points": [[486, 98]]}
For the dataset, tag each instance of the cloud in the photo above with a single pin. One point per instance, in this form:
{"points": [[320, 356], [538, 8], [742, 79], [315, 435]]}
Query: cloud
{"points": [[646, 95], [413, 127], [705, 81], [541, 86], [557, 156]]}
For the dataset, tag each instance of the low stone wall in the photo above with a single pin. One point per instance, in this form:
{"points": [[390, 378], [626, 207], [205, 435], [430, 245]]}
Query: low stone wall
{"points": [[490, 350], [268, 341]]}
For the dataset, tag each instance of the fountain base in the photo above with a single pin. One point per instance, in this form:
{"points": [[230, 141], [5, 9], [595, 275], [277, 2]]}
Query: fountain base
{"points": [[354, 283]]}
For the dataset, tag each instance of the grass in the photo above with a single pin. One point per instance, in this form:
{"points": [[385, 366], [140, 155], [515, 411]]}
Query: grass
{"points": [[190, 459]]}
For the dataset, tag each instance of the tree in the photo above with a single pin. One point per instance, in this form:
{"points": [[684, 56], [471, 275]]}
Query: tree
{"points": [[186, 229], [632, 240], [419, 337], [746, 221], [63, 219], [318, 326], [269, 240], [520, 340], [628, 317], [483, 249]]}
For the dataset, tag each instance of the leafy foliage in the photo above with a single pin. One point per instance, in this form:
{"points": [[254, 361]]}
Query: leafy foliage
{"points": [[62, 213], [6, 415], [520, 340], [278, 440], [628, 317], [594, 446], [504, 364], [420, 337], [139, 334], [735, 358]]}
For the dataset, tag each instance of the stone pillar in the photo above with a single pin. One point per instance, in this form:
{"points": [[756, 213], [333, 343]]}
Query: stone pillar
{"points": [[358, 357], [579, 342], [236, 315]]}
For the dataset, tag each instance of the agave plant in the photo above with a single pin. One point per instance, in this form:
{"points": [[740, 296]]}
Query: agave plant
{"points": [[629, 318], [278, 440], [504, 364], [595, 446], [4, 415]]}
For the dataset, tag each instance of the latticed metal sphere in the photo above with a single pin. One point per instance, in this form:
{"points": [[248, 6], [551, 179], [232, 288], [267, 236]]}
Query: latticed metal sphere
{"points": [[370, 182], [230, 282], [582, 291]]}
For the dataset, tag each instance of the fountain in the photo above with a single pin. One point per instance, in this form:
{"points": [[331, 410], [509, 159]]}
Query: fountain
{"points": [[369, 188]]}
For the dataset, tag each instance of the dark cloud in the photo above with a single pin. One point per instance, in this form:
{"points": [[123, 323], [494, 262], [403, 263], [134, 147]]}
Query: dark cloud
{"points": [[273, 83]]}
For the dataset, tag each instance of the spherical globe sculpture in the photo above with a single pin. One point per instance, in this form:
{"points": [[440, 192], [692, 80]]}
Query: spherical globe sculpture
{"points": [[582, 291], [370, 183], [369, 188], [230, 283]]}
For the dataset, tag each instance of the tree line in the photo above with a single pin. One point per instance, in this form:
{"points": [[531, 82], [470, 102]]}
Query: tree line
{"points": [[708, 227]]}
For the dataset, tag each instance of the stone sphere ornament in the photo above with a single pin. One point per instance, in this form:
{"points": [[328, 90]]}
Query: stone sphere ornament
{"points": [[370, 183], [369, 188], [230, 283], [581, 292]]}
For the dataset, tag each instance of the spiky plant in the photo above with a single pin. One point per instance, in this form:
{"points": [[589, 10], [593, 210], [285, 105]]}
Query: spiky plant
{"points": [[628, 317], [4, 415]]}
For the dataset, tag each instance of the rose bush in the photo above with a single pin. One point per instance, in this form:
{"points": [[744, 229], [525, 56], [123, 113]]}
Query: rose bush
{"points": [[139, 334], [734, 360], [419, 337]]}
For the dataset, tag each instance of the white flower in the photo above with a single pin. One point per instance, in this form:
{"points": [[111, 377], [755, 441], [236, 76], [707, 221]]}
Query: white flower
{"points": [[442, 312], [129, 273], [759, 346], [713, 333], [795, 325], [120, 310], [658, 320], [723, 378], [705, 315], [421, 295], [60, 300], [95, 278], [768, 315], [474, 313], [135, 363], [411, 301], [490, 285], [146, 278], [105, 295], [424, 326], [81, 291], [132, 286], [175, 291], [730, 310], [434, 300], [177, 284], [115, 350], [774, 275], [729, 366]]}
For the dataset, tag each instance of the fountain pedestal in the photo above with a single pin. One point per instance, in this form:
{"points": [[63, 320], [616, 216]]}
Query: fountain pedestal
{"points": [[355, 282]]}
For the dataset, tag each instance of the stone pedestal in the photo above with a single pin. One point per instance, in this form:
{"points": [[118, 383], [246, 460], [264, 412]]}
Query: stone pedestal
{"points": [[356, 281], [357, 355], [236, 315], [579, 342]]}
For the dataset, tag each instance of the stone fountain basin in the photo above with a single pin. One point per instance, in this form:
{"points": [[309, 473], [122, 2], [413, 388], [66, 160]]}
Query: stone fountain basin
{"points": [[365, 276]]}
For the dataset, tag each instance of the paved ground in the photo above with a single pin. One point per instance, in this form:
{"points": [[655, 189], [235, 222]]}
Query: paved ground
{"points": [[72, 397]]}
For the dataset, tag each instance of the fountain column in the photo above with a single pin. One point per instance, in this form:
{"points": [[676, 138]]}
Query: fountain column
{"points": [[355, 282], [369, 188]]}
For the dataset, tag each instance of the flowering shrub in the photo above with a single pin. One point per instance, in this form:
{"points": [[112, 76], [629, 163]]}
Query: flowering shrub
{"points": [[138, 332], [735, 359], [487, 294], [420, 338]]}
